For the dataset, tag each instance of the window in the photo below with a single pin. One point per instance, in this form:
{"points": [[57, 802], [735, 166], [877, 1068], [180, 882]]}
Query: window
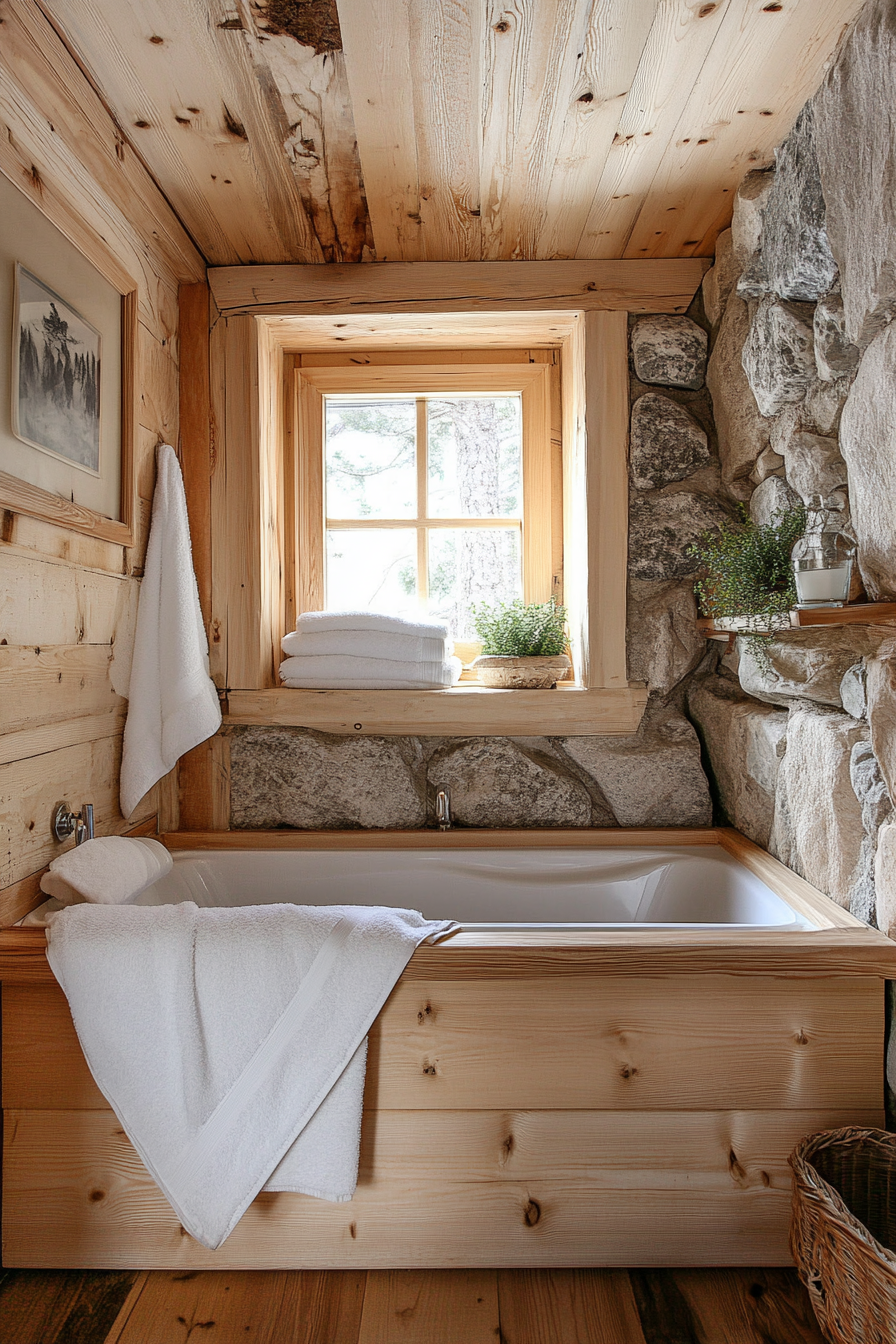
{"points": [[428, 487], [267, 494]]}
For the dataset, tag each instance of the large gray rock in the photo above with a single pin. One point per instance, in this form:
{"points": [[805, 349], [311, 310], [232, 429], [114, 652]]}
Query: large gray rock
{"points": [[868, 443], [742, 432], [294, 777], [652, 777], [745, 742], [870, 787], [768, 463], [835, 355], [805, 664], [857, 161], [818, 828], [749, 204], [667, 444], [663, 642], [853, 691], [495, 781], [822, 409], [663, 527], [670, 351], [796, 255], [771, 499], [871, 792], [885, 878], [779, 356], [813, 465], [720, 279], [881, 697]]}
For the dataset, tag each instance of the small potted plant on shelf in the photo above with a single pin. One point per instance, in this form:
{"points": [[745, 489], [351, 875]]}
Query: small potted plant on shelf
{"points": [[746, 582], [523, 644]]}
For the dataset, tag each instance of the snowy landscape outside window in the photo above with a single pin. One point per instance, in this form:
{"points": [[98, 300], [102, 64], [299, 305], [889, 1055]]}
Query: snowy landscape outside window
{"points": [[424, 504]]}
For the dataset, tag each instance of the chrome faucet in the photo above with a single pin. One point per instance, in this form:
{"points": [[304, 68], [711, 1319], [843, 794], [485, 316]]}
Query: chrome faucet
{"points": [[443, 809], [78, 824]]}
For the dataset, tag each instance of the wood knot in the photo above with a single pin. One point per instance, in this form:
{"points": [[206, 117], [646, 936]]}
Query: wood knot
{"points": [[586, 97], [628, 1071], [801, 1038], [353, 1230], [765, 1179], [736, 1170], [705, 10], [96, 1196], [532, 1213], [502, 26], [429, 1069], [426, 1014], [507, 1148]]}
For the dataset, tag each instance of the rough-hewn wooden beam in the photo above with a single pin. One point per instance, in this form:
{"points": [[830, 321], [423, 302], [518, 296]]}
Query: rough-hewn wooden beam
{"points": [[656, 286]]}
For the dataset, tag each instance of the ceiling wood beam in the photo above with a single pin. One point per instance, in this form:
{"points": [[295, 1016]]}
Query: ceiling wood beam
{"points": [[51, 115], [610, 55], [762, 65], [658, 286], [677, 45], [377, 42], [180, 79]]}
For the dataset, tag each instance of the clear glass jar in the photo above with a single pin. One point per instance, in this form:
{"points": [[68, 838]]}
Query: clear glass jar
{"points": [[823, 558]]}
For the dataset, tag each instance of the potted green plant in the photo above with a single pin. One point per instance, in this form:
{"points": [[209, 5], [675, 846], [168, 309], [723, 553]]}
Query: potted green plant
{"points": [[746, 583], [523, 644]]}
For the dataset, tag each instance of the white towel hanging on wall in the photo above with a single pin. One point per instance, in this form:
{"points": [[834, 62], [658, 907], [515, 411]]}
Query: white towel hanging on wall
{"points": [[173, 701]]}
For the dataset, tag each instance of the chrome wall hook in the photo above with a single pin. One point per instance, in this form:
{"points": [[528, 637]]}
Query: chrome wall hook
{"points": [[79, 824]]}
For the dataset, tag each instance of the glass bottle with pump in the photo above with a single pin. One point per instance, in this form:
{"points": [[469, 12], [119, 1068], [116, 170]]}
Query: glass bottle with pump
{"points": [[823, 558]]}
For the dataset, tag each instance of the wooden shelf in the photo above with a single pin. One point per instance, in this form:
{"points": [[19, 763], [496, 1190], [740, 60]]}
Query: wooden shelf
{"points": [[859, 613]]}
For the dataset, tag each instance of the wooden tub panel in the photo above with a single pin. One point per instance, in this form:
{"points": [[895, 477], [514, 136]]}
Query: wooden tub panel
{"points": [[435, 1189], [578, 1042]]}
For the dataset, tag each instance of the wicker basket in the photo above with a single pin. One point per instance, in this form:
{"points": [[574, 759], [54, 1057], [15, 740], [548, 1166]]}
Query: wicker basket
{"points": [[843, 1233]]}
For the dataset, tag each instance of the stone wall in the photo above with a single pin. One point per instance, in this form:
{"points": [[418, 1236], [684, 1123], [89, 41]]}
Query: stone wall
{"points": [[802, 373]]}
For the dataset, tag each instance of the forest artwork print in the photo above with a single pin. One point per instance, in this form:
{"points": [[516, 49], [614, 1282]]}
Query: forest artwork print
{"points": [[57, 379]]}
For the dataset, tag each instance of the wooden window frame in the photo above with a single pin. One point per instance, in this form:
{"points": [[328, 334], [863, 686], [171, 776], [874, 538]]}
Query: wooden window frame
{"points": [[448, 373], [262, 315]]}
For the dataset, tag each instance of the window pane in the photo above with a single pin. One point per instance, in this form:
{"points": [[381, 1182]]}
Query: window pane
{"points": [[372, 570], [370, 459], [475, 457], [468, 565]]}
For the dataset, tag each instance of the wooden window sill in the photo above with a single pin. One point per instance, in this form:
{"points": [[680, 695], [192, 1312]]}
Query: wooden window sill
{"points": [[462, 711]]}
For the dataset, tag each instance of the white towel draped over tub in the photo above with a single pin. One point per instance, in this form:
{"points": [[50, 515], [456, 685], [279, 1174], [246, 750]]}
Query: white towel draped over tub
{"points": [[173, 704], [231, 1043]]}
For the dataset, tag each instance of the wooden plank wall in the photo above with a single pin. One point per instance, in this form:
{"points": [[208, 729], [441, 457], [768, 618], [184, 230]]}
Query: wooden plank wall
{"points": [[68, 600]]}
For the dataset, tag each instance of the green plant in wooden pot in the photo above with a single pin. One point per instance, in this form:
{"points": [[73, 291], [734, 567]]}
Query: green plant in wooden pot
{"points": [[523, 644], [746, 581]]}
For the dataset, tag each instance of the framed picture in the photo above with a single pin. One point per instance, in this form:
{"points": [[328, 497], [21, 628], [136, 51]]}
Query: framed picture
{"points": [[56, 377], [68, 380]]}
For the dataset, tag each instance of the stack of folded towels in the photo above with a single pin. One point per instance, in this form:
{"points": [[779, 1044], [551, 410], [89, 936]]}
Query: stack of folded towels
{"points": [[361, 650]]}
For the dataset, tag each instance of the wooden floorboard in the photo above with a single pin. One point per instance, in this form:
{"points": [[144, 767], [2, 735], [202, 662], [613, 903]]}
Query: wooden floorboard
{"points": [[566, 1306], [47, 1306]]}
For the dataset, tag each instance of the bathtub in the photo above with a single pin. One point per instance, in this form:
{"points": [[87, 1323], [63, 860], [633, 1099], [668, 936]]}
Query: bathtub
{"points": [[691, 887], [607, 1065]]}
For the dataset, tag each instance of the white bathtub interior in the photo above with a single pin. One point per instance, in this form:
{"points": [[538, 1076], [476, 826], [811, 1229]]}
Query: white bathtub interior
{"points": [[700, 886]]}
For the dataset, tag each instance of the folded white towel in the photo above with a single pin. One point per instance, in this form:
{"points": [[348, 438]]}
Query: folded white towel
{"points": [[108, 870], [366, 644], [173, 702], [373, 673], [369, 620], [230, 1043]]}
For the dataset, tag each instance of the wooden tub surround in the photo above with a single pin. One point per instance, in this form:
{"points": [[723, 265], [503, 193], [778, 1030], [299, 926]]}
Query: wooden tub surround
{"points": [[559, 1098]]}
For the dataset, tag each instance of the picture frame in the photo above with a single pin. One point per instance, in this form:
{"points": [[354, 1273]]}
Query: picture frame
{"points": [[20, 496], [56, 390]]}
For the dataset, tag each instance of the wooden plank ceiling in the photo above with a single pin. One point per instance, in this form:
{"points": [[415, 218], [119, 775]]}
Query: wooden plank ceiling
{"points": [[452, 130]]}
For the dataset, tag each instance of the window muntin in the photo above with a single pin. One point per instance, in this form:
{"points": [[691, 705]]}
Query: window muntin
{"points": [[452, 467]]}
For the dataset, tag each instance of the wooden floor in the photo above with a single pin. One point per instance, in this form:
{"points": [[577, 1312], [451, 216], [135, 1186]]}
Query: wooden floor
{"points": [[692, 1306]]}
